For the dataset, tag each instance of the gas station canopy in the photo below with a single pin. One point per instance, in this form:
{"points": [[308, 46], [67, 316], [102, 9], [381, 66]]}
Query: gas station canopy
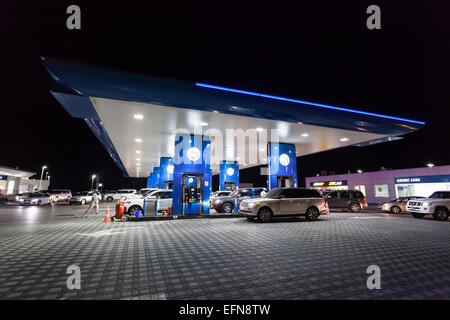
{"points": [[135, 116]]}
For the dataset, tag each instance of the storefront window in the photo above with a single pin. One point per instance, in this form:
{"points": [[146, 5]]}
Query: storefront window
{"points": [[381, 191]]}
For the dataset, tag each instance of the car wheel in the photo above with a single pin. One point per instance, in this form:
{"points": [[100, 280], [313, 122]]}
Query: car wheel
{"points": [[39, 203], [227, 208], [440, 214], [124, 218], [264, 215], [132, 210], [109, 199], [418, 215], [83, 201], [312, 214], [395, 209], [354, 207]]}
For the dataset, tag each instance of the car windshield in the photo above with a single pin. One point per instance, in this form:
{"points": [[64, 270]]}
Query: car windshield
{"points": [[273, 194], [234, 193], [81, 193], [440, 195]]}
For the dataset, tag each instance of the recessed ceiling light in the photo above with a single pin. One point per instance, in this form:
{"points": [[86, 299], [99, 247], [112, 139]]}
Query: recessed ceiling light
{"points": [[262, 149], [344, 139], [264, 159], [138, 116], [137, 159], [215, 111], [259, 129], [137, 151], [305, 135], [204, 124], [138, 140], [237, 158], [300, 122]]}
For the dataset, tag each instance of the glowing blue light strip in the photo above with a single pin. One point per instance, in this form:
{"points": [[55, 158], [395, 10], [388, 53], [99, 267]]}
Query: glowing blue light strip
{"points": [[305, 102]]}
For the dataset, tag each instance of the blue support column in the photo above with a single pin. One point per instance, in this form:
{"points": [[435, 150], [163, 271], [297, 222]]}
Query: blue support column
{"points": [[229, 173], [165, 172], [282, 162], [191, 163], [156, 171], [149, 180]]}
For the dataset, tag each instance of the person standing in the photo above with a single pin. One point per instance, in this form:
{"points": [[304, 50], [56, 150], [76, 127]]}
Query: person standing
{"points": [[94, 202]]}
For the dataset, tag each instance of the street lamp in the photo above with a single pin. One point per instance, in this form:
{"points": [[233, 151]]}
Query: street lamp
{"points": [[92, 182], [42, 173], [430, 165]]}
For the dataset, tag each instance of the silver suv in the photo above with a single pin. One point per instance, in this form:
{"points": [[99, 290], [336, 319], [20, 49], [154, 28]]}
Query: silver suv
{"points": [[285, 202], [438, 205]]}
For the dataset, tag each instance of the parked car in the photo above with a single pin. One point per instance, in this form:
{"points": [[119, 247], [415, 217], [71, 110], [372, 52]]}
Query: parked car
{"points": [[438, 205], [163, 196], [82, 197], [353, 200], [21, 196], [220, 193], [230, 203], [60, 195], [110, 195], [397, 205], [280, 202], [35, 199]]}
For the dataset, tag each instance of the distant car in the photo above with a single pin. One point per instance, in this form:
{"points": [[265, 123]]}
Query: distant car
{"points": [[21, 196], [164, 197], [35, 199], [111, 195], [60, 195], [352, 200], [82, 197], [397, 205], [221, 193], [280, 202], [438, 205], [230, 203]]}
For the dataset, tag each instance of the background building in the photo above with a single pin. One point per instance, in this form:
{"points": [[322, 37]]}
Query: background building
{"points": [[384, 185], [13, 181]]}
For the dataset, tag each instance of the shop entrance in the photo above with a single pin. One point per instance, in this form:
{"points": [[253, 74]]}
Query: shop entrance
{"points": [[284, 181], [230, 186], [192, 193]]}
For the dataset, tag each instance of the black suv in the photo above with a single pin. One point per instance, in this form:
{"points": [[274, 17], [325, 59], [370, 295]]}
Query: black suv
{"points": [[230, 203], [353, 200]]}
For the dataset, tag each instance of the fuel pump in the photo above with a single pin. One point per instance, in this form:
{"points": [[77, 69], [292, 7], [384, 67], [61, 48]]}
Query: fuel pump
{"points": [[192, 194]]}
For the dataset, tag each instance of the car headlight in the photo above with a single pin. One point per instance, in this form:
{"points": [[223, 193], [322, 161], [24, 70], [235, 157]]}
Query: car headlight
{"points": [[217, 201], [34, 200], [252, 204], [427, 204], [17, 198]]}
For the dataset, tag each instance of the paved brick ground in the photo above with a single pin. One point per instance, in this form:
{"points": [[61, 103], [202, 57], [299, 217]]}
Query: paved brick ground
{"points": [[221, 258]]}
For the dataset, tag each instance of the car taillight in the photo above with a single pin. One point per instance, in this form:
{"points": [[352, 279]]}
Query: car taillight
{"points": [[365, 200]]}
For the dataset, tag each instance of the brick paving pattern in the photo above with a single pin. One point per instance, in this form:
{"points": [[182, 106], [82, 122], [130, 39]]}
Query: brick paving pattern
{"points": [[221, 258]]}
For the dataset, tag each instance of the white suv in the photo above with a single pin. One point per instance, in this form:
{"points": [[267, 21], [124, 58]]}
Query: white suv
{"points": [[438, 204], [162, 198]]}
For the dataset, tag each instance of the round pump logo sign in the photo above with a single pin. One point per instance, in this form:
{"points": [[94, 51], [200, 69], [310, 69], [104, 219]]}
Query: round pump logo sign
{"points": [[230, 171], [193, 154], [170, 169], [284, 159]]}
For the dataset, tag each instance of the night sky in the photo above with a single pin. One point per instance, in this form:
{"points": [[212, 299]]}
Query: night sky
{"points": [[318, 51]]}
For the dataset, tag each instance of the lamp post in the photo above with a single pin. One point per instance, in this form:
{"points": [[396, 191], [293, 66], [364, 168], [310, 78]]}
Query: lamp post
{"points": [[42, 173], [92, 181]]}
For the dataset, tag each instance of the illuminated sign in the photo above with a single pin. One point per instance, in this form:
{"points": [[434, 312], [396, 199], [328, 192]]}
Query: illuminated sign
{"points": [[170, 168], [284, 159], [230, 171], [423, 179], [328, 183], [193, 154]]}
